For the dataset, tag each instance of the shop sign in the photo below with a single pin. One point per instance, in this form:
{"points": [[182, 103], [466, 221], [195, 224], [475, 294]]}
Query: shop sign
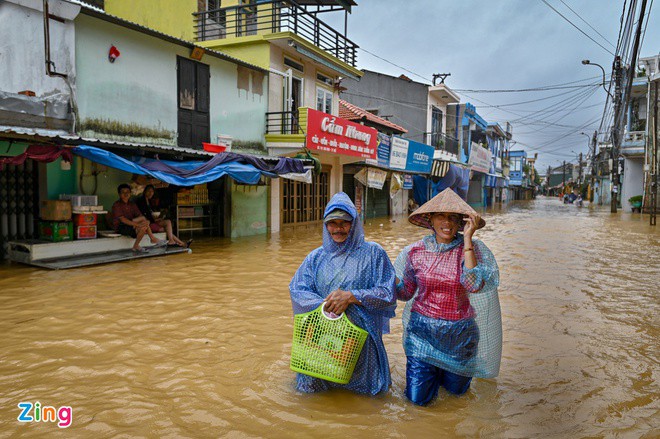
{"points": [[333, 134], [383, 151], [408, 155], [399, 153], [480, 158], [420, 157], [372, 177], [359, 199], [407, 181], [376, 178]]}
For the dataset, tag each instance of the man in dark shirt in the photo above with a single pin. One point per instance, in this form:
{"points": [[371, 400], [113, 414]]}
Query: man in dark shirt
{"points": [[128, 220]]}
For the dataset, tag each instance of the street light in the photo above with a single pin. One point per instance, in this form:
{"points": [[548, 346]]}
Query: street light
{"points": [[587, 62]]}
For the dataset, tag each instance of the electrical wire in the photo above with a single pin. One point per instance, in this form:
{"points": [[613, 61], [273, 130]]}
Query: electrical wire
{"points": [[585, 22], [576, 27]]}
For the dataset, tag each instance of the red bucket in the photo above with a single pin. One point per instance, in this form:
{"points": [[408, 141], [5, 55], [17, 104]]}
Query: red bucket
{"points": [[212, 147]]}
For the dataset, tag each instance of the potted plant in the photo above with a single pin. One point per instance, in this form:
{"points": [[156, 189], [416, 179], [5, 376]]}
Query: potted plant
{"points": [[635, 201]]}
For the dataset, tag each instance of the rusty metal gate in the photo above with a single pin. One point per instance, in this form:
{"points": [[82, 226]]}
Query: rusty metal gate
{"points": [[19, 203]]}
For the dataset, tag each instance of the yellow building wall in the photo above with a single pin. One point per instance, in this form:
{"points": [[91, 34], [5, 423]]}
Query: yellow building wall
{"points": [[256, 52], [172, 17]]}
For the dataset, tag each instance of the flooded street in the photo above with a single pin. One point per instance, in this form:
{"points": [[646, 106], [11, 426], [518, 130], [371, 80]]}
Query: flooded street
{"points": [[198, 345]]}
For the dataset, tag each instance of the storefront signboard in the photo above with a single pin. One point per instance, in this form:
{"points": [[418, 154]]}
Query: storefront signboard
{"points": [[480, 158], [399, 153], [407, 181], [383, 152], [333, 134], [420, 157]]}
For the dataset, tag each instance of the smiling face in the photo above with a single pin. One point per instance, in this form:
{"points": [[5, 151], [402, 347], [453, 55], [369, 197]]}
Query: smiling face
{"points": [[338, 229], [445, 225]]}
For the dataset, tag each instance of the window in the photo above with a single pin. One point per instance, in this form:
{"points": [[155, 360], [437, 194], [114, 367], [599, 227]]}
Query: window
{"points": [[324, 79], [516, 164], [294, 65], [216, 16], [323, 100]]}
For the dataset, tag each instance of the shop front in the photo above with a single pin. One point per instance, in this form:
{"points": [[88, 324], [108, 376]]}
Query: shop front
{"points": [[66, 223], [334, 143], [480, 162]]}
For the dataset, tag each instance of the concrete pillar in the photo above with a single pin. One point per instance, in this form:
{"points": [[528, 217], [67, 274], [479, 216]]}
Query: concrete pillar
{"points": [[275, 186]]}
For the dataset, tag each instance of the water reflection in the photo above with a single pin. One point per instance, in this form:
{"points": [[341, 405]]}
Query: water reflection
{"points": [[197, 345]]}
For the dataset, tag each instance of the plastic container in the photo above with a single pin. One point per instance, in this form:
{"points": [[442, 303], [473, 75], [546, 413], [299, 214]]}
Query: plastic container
{"points": [[212, 147], [225, 140], [325, 347]]}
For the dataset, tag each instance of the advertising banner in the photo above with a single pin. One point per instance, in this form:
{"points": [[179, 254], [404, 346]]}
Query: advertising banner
{"points": [[407, 181], [371, 177], [419, 158], [382, 153], [480, 158], [333, 134], [399, 153]]}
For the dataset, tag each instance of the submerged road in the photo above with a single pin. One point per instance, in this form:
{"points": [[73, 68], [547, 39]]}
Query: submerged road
{"points": [[198, 345]]}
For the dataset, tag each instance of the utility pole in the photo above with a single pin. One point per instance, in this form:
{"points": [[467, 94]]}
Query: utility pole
{"points": [[616, 127], [654, 164], [594, 141], [616, 140], [580, 173]]}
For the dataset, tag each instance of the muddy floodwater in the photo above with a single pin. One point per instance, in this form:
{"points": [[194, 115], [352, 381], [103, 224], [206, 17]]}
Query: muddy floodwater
{"points": [[197, 345]]}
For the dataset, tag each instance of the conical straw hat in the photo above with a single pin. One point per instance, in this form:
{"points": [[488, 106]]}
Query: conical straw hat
{"points": [[445, 201]]}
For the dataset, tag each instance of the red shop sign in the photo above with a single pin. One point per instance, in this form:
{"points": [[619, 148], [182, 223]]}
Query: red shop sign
{"points": [[329, 133]]}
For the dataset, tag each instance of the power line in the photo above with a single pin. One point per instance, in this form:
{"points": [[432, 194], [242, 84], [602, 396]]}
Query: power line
{"points": [[521, 90], [580, 30], [395, 65], [585, 22]]}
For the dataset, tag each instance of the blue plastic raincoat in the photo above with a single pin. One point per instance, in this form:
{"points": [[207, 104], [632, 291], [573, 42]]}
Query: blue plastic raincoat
{"points": [[364, 269]]}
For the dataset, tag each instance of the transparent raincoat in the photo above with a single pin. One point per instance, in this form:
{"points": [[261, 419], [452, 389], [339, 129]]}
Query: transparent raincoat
{"points": [[452, 319], [364, 269]]}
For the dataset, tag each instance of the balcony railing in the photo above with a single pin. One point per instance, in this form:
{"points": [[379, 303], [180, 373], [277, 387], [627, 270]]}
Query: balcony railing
{"points": [[633, 137], [272, 16], [442, 142], [282, 122]]}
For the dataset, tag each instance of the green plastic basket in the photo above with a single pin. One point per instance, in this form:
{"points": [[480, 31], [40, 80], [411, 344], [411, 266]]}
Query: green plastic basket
{"points": [[325, 347]]}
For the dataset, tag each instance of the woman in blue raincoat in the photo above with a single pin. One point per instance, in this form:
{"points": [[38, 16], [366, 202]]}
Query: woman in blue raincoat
{"points": [[452, 322], [352, 276]]}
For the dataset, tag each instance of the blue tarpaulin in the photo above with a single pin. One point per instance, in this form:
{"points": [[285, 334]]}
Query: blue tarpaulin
{"points": [[457, 178], [241, 172]]}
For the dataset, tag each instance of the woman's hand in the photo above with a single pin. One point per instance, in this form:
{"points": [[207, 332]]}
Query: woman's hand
{"points": [[470, 226]]}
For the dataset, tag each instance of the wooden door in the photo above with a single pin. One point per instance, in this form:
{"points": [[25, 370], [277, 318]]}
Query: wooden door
{"points": [[193, 85]]}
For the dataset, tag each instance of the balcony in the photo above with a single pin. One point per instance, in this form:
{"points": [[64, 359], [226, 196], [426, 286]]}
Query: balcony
{"points": [[282, 122], [633, 142], [286, 129], [442, 142], [271, 17]]}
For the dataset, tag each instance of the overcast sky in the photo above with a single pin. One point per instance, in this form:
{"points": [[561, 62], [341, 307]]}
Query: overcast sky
{"points": [[503, 44]]}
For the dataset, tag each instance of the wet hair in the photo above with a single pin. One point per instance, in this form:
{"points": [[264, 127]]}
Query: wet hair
{"points": [[123, 186]]}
